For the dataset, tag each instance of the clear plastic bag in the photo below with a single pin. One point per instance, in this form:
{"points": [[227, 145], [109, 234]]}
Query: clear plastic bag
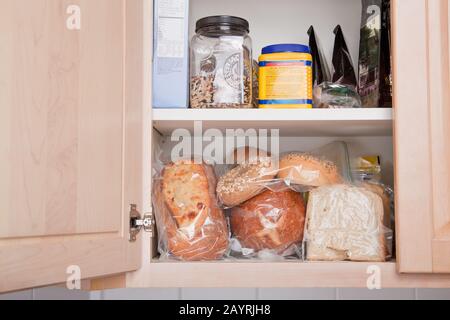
{"points": [[268, 226], [191, 226], [366, 172], [304, 171], [336, 96], [298, 171], [346, 222]]}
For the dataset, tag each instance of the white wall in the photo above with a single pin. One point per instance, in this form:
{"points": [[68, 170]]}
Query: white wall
{"points": [[287, 21]]}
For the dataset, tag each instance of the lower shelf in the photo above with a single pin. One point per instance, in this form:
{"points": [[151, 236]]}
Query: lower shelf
{"points": [[272, 275]]}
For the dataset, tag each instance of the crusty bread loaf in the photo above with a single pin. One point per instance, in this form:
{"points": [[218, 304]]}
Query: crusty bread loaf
{"points": [[244, 182], [345, 223], [191, 226], [271, 220], [307, 170]]}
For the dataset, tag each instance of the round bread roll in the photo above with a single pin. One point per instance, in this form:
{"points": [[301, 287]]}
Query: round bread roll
{"points": [[248, 155], [307, 170], [191, 225], [271, 220], [244, 182]]}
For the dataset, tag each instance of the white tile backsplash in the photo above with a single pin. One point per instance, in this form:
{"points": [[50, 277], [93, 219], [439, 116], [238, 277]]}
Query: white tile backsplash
{"points": [[230, 293], [142, 294], [297, 294], [433, 294], [58, 293], [20, 295], [384, 294], [218, 294]]}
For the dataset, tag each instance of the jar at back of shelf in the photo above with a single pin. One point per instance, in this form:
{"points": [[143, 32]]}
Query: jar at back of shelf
{"points": [[221, 64]]}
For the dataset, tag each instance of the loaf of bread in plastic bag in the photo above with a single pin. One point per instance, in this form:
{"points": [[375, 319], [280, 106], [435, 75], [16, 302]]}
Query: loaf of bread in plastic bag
{"points": [[191, 226], [345, 222], [270, 221]]}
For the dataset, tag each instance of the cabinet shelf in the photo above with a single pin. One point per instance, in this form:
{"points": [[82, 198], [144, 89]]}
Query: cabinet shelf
{"points": [[291, 122], [281, 274]]}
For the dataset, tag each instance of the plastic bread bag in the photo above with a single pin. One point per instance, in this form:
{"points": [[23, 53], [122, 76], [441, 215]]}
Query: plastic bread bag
{"points": [[367, 168], [253, 171], [336, 96], [304, 171], [298, 171], [366, 173], [321, 72], [269, 226], [345, 222], [190, 224]]}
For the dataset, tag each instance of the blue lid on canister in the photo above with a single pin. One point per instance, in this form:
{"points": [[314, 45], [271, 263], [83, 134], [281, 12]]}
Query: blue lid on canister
{"points": [[287, 47]]}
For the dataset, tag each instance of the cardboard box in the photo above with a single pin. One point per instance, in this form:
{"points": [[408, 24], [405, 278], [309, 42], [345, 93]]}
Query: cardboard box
{"points": [[171, 54]]}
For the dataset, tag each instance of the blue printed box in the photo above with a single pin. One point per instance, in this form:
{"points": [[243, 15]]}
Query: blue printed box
{"points": [[171, 54]]}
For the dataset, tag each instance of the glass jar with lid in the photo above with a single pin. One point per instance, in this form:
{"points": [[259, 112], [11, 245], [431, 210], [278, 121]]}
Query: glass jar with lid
{"points": [[221, 64]]}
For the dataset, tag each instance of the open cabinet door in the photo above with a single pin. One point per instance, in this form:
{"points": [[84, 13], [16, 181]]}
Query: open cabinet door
{"points": [[70, 139], [422, 134]]}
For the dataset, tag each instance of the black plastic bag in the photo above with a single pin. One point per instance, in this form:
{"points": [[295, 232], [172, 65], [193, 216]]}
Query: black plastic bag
{"points": [[375, 81], [385, 59], [321, 73], [343, 73]]}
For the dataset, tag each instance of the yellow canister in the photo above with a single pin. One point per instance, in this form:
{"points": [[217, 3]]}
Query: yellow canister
{"points": [[286, 77]]}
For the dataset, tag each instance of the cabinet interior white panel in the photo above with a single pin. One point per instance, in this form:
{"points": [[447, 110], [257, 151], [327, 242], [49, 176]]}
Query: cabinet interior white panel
{"points": [[357, 146], [287, 21]]}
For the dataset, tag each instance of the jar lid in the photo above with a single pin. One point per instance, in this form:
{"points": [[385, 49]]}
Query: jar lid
{"points": [[288, 47], [225, 21]]}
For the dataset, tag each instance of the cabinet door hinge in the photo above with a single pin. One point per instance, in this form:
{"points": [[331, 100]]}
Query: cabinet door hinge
{"points": [[137, 223]]}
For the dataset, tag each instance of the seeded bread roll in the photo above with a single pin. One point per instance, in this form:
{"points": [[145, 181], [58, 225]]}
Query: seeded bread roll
{"points": [[271, 220], [191, 226], [244, 182], [249, 155], [307, 170]]}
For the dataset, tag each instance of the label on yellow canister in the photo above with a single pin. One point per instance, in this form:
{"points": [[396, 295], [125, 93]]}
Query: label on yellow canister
{"points": [[285, 78]]}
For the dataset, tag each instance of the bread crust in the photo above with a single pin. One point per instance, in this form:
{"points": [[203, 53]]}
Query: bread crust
{"points": [[245, 181], [307, 170], [271, 220], [191, 225], [249, 155]]}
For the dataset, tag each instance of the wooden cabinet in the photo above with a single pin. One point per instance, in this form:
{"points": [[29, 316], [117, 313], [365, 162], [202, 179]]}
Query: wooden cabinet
{"points": [[76, 134], [70, 112], [421, 134]]}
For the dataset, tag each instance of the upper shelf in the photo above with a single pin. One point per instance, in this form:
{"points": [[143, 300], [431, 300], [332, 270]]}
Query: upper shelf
{"points": [[291, 122]]}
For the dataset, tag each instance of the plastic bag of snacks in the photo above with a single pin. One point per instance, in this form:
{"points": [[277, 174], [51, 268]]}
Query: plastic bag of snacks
{"points": [[336, 96], [191, 226], [342, 91], [320, 68], [343, 70], [375, 76], [346, 222]]}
